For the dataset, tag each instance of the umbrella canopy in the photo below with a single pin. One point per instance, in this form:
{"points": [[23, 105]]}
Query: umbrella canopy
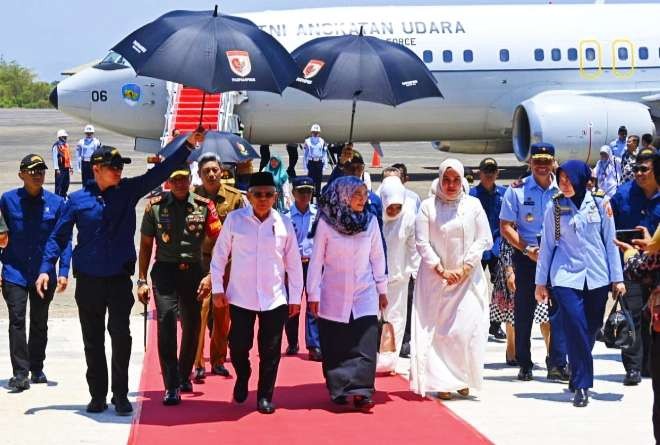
{"points": [[210, 51], [362, 67], [228, 146]]}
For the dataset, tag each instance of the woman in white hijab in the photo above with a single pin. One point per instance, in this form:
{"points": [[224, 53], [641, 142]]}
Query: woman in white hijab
{"points": [[450, 308], [608, 171], [402, 262]]}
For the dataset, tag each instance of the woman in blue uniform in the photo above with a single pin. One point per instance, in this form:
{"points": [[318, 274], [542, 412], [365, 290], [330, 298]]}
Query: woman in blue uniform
{"points": [[579, 259]]}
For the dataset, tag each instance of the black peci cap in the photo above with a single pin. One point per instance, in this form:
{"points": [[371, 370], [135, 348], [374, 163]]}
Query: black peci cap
{"points": [[261, 179], [488, 165]]}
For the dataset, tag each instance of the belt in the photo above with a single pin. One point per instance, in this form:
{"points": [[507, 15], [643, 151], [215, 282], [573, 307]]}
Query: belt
{"points": [[316, 159]]}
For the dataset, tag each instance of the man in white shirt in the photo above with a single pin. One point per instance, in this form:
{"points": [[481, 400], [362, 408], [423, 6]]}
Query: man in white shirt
{"points": [[84, 150], [263, 248]]}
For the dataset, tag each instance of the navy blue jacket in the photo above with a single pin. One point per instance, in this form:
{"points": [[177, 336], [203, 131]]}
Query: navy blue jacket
{"points": [[492, 204], [106, 221], [30, 221], [632, 208]]}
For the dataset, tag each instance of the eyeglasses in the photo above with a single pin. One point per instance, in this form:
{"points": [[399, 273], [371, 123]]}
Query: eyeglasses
{"points": [[260, 195], [35, 172], [640, 168]]}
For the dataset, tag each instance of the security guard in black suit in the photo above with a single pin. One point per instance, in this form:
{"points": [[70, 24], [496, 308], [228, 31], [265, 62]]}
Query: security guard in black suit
{"points": [[180, 221]]}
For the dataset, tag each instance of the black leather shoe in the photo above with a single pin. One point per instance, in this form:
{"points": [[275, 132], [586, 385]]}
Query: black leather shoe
{"points": [[362, 402], [264, 406], [172, 397], [405, 350], [525, 375], [340, 400], [632, 378], [581, 398], [186, 386], [199, 375], [18, 384], [220, 370], [122, 406], [240, 390], [292, 350], [497, 332], [96, 406], [557, 374], [315, 355], [39, 377]]}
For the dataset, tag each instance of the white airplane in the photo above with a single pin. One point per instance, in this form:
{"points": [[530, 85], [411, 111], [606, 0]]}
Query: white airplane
{"points": [[510, 76]]}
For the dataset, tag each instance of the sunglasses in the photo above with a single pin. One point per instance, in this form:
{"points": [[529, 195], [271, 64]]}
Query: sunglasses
{"points": [[35, 172], [640, 168], [260, 195]]}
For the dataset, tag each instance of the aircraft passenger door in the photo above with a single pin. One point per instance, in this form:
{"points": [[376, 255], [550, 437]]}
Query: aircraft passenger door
{"points": [[623, 58], [591, 59]]}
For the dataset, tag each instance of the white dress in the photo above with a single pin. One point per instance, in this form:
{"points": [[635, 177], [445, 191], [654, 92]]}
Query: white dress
{"points": [[450, 323]]}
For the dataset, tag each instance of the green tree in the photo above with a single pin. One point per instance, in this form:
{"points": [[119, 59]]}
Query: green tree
{"points": [[20, 88]]}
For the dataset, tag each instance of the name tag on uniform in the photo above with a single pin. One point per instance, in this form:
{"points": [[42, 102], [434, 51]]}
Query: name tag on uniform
{"points": [[528, 203], [564, 210]]}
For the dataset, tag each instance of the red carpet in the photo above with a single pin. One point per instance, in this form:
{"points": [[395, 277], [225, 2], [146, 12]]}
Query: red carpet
{"points": [[304, 413]]}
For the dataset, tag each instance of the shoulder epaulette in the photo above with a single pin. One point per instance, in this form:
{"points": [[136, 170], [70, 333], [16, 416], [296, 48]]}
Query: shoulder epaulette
{"points": [[598, 194], [201, 199], [156, 199], [232, 189]]}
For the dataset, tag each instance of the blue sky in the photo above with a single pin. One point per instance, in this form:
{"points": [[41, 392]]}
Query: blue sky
{"points": [[50, 36]]}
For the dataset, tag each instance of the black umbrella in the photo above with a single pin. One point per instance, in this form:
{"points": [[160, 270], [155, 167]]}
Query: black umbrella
{"points": [[209, 51], [228, 146], [362, 67]]}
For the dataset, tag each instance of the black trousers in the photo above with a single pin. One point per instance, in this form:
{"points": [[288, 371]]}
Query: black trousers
{"points": [[175, 291], [315, 171], [62, 180], [655, 376], [292, 151], [311, 324], [349, 355], [86, 170], [411, 292], [492, 264], [94, 296], [27, 353], [264, 153], [637, 356], [269, 341]]}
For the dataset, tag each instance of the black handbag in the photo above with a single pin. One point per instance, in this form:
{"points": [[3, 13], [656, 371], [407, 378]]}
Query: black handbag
{"points": [[619, 329]]}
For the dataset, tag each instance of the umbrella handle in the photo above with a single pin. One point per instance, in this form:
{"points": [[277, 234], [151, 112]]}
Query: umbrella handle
{"points": [[201, 112], [145, 326], [350, 135]]}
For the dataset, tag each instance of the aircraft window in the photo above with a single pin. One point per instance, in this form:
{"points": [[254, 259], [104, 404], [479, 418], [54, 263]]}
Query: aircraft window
{"points": [[556, 54], [447, 56], [572, 54], [504, 55], [468, 56], [427, 56], [643, 53], [112, 61], [590, 54], [539, 55], [623, 53]]}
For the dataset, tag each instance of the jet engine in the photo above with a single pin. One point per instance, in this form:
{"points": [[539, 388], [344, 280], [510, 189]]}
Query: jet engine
{"points": [[575, 124]]}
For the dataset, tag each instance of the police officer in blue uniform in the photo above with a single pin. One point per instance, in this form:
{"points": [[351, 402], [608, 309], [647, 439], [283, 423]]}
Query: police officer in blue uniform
{"points": [[521, 223], [104, 260], [302, 215], [579, 257], [637, 203], [490, 195], [30, 213]]}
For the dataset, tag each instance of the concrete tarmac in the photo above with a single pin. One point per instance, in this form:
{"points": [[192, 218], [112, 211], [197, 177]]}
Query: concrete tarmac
{"points": [[506, 411]]}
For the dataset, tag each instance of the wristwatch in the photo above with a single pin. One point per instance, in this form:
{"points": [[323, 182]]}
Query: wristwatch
{"points": [[140, 282], [525, 251]]}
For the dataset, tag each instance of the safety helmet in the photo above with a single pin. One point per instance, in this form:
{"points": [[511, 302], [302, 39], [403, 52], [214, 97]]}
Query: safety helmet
{"points": [[62, 134], [88, 129], [316, 128]]}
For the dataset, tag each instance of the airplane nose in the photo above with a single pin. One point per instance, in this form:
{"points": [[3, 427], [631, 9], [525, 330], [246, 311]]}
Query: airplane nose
{"points": [[52, 98]]}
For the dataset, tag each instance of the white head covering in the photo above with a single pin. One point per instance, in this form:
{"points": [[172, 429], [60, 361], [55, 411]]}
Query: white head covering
{"points": [[392, 191], [455, 165], [606, 149]]}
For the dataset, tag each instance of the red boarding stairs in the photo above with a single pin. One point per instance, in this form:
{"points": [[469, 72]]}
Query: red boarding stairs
{"points": [[188, 107]]}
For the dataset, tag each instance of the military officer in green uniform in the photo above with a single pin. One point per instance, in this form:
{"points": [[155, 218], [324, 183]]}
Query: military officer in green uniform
{"points": [[226, 199], [180, 222]]}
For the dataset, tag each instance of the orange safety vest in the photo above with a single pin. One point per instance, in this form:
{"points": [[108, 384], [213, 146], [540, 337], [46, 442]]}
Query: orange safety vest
{"points": [[63, 150]]}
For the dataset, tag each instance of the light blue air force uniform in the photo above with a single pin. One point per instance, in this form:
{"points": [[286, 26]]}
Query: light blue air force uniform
{"points": [[525, 207], [584, 263]]}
